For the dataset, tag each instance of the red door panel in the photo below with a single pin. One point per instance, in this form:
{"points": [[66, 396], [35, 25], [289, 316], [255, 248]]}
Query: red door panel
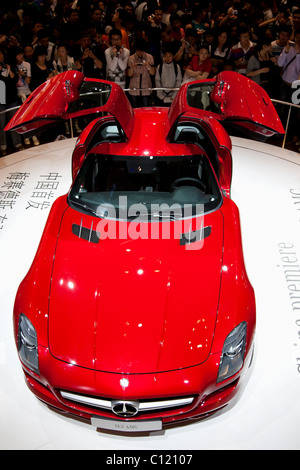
{"points": [[229, 97], [70, 95]]}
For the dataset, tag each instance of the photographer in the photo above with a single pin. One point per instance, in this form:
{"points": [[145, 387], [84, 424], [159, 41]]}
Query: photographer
{"points": [[116, 57], [140, 70], [23, 70], [88, 58]]}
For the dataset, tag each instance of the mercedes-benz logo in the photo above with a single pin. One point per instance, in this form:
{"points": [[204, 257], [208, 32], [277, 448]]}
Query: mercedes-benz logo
{"points": [[126, 409]]}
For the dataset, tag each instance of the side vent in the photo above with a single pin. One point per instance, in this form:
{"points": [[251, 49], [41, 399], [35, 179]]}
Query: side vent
{"points": [[195, 236], [85, 233]]}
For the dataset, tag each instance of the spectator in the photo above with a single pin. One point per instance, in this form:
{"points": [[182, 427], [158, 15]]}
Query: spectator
{"points": [[37, 26], [208, 38], [198, 21], [116, 57], [44, 41], [177, 30], [295, 22], [8, 43], [233, 35], [118, 18], [289, 59], [64, 62], [39, 69], [230, 19], [128, 7], [241, 52], [130, 26], [267, 10], [28, 53], [168, 75], [23, 71], [98, 20], [220, 50], [199, 67], [260, 65], [168, 7], [71, 25], [283, 39], [167, 41], [155, 27], [88, 58], [275, 23], [155, 21], [24, 83], [9, 79], [141, 10], [189, 48], [140, 70]]}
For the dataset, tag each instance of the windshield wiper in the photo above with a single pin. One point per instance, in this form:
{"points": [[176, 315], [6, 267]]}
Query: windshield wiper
{"points": [[168, 215], [85, 207]]}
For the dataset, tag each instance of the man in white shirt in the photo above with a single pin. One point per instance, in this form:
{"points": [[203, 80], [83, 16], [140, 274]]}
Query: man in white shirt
{"points": [[24, 72], [116, 58], [289, 59]]}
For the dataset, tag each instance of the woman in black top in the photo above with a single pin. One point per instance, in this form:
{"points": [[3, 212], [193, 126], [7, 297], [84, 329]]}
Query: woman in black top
{"points": [[39, 70], [261, 65]]}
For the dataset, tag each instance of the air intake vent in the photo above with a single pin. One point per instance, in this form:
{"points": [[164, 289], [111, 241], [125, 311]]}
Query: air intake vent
{"points": [[195, 236], [85, 233]]}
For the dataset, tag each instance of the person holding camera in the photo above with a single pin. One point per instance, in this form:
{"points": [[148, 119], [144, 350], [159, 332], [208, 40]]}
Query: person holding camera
{"points": [[23, 69], [140, 71], [116, 57], [88, 57]]}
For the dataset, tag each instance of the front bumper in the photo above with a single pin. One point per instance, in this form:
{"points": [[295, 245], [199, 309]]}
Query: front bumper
{"points": [[198, 382]]}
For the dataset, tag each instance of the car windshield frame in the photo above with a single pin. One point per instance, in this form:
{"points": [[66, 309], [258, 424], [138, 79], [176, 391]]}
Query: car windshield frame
{"points": [[158, 188]]}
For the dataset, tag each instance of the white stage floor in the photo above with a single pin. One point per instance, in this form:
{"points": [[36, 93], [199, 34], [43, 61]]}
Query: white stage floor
{"points": [[266, 187]]}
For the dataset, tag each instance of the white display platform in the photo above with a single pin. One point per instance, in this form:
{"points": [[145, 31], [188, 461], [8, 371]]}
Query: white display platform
{"points": [[266, 187]]}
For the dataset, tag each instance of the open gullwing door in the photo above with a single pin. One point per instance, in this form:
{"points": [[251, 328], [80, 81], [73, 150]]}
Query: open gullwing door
{"points": [[69, 95]]}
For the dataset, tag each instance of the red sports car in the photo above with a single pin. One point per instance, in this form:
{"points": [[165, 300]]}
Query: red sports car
{"points": [[137, 311]]}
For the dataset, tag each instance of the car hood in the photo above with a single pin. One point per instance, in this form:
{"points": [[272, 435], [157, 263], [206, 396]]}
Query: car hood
{"points": [[133, 305]]}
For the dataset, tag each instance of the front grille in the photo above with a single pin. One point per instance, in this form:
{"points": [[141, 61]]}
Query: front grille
{"points": [[144, 406]]}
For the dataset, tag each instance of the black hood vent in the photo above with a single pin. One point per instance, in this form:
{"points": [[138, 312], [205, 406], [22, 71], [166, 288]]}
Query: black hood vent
{"points": [[85, 233], [194, 236]]}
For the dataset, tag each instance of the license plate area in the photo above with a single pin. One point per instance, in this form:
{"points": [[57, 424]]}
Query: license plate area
{"points": [[127, 426]]}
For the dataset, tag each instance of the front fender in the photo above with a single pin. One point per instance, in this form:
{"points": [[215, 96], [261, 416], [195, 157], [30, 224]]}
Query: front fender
{"points": [[32, 297], [237, 299]]}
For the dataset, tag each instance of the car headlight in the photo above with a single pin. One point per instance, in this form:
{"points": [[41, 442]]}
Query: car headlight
{"points": [[233, 352], [27, 344]]}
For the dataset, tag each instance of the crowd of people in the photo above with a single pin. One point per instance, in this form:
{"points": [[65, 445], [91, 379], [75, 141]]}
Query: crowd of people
{"points": [[147, 44]]}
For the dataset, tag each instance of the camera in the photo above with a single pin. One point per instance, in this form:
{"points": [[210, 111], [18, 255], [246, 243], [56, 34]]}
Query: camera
{"points": [[24, 71]]}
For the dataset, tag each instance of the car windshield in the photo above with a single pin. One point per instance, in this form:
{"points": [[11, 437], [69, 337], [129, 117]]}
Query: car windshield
{"points": [[157, 188]]}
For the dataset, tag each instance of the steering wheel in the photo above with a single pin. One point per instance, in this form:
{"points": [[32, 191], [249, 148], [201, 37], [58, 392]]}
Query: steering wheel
{"points": [[186, 181]]}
